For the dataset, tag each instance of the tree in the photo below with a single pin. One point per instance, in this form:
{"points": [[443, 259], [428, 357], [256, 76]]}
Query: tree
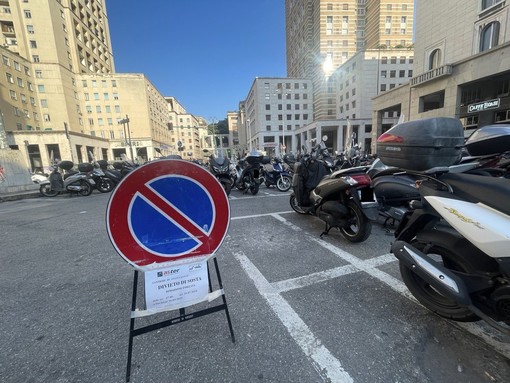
{"points": [[220, 127]]}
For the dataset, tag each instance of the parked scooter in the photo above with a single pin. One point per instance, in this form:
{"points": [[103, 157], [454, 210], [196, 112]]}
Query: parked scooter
{"points": [[102, 183], [113, 174], [79, 182], [453, 245], [249, 174], [274, 175], [342, 199], [219, 166]]}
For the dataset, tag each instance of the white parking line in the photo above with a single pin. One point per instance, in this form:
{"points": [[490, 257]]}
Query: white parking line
{"points": [[355, 264], [326, 363]]}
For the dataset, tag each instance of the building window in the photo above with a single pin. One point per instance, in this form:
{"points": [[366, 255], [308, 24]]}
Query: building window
{"points": [[98, 108], [268, 117], [384, 60], [383, 87], [490, 36], [41, 89], [28, 14], [106, 96], [44, 103], [10, 78], [33, 44], [20, 82], [38, 73], [96, 96], [13, 95], [6, 60], [46, 117], [268, 107], [435, 59], [35, 58], [431, 101], [489, 3], [393, 73]]}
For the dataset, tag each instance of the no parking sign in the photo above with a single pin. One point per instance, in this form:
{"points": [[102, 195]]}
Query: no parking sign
{"points": [[167, 211]]}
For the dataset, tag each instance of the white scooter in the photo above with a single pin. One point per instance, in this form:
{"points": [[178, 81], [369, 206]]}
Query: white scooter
{"points": [[454, 247], [80, 182]]}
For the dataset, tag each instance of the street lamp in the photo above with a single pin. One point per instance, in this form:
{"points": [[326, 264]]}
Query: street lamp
{"points": [[282, 146], [124, 122]]}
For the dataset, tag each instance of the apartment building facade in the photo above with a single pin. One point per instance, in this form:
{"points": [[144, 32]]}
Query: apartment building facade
{"points": [[187, 132], [322, 35], [273, 110], [62, 98], [461, 69]]}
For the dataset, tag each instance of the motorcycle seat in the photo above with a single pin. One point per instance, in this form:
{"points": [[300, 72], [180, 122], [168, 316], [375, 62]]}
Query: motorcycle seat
{"points": [[491, 191]]}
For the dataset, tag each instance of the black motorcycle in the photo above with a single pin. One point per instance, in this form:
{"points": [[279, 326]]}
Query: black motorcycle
{"points": [[342, 199], [249, 173], [219, 166]]}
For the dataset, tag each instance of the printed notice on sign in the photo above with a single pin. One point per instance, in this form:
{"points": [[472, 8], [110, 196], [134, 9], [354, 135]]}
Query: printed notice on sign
{"points": [[176, 287]]}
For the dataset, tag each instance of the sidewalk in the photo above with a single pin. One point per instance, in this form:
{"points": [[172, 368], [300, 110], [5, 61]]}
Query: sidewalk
{"points": [[14, 196]]}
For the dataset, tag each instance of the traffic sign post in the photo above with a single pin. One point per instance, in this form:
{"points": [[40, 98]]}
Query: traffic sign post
{"points": [[167, 219]]}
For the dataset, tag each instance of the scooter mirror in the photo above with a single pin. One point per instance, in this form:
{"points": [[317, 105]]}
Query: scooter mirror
{"points": [[324, 138]]}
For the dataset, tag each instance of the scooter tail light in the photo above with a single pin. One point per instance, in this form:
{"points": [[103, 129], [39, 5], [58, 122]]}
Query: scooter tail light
{"points": [[390, 138], [362, 179]]}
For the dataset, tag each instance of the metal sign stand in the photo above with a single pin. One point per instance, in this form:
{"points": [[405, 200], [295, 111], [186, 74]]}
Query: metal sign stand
{"points": [[183, 317]]}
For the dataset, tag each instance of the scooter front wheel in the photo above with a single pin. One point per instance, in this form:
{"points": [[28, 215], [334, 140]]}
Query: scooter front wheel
{"points": [[294, 205], [359, 227], [104, 185], [427, 295], [227, 186], [47, 191]]}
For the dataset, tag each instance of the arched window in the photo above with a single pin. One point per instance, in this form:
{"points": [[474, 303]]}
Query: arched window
{"points": [[435, 59], [490, 36]]}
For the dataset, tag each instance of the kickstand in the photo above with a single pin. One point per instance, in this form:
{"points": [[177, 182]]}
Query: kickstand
{"points": [[326, 230]]}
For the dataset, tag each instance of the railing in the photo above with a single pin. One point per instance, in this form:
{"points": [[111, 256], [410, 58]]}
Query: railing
{"points": [[445, 70]]}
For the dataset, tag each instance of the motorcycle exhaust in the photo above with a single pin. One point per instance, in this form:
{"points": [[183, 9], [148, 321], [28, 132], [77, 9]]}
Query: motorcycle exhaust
{"points": [[439, 277], [74, 188]]}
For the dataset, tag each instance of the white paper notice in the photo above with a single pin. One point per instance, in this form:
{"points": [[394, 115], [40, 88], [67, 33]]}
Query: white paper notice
{"points": [[176, 287]]}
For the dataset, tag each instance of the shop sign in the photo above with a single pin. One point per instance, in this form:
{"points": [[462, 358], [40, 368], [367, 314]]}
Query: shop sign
{"points": [[484, 105]]}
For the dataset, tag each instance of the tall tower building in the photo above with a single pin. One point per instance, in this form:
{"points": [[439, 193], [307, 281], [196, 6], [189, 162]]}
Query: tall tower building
{"points": [[321, 35]]}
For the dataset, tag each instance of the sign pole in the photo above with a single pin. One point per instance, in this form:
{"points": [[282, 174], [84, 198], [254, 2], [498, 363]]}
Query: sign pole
{"points": [[167, 219], [182, 316]]}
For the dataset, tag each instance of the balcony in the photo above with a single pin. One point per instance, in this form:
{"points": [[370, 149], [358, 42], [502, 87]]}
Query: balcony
{"points": [[433, 74]]}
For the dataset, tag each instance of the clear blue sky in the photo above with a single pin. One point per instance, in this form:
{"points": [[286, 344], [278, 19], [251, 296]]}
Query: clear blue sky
{"points": [[206, 53]]}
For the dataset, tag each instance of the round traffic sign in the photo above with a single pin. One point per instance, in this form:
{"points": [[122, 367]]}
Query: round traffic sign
{"points": [[165, 211]]}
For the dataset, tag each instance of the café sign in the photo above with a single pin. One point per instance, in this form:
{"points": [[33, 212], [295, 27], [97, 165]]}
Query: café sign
{"points": [[484, 105]]}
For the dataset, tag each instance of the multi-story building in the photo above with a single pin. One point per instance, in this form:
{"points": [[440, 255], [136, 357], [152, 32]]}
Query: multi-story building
{"points": [[322, 35], [461, 69], [365, 75], [187, 132], [60, 96], [274, 109]]}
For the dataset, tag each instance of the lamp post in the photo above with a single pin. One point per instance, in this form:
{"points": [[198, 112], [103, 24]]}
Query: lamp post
{"points": [[124, 122], [282, 146]]}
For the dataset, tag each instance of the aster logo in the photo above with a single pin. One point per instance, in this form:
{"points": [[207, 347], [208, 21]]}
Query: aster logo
{"points": [[160, 274]]}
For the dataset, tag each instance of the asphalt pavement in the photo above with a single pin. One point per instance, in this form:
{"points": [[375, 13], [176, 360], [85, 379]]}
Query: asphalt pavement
{"points": [[303, 309]]}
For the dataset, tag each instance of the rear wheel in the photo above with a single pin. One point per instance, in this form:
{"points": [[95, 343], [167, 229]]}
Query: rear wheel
{"points": [[284, 183], [430, 297], [86, 188], [359, 227], [47, 191], [254, 188]]}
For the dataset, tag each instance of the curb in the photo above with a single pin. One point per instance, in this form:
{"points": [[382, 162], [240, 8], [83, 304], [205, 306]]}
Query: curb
{"points": [[18, 196]]}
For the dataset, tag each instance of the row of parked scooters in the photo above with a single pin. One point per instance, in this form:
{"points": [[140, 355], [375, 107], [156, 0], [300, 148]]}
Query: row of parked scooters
{"points": [[65, 178], [449, 198], [249, 172]]}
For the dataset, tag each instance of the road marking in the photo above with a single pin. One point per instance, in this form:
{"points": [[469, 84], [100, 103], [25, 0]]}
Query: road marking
{"points": [[355, 264], [325, 363]]}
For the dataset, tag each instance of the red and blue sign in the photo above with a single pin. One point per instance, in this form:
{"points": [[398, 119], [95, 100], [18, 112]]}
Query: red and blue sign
{"points": [[166, 211]]}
